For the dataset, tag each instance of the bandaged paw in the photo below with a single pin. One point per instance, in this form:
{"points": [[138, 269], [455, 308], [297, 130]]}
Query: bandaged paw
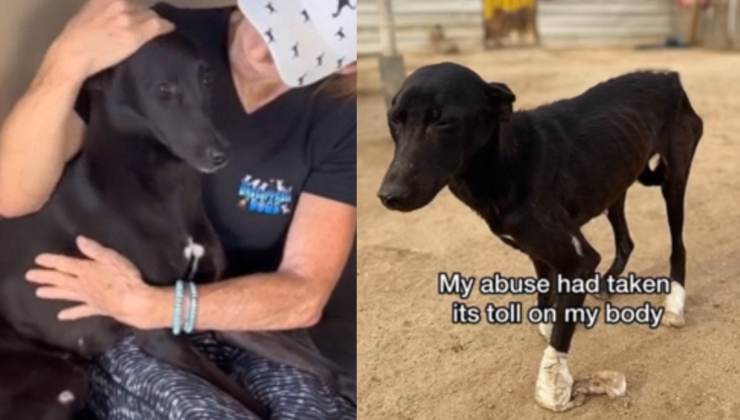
{"points": [[554, 382], [674, 306]]}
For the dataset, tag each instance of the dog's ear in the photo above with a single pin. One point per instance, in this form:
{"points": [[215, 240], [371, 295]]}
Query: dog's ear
{"points": [[501, 99], [99, 82]]}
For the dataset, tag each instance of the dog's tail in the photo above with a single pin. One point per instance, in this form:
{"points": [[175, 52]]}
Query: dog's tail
{"points": [[652, 177]]}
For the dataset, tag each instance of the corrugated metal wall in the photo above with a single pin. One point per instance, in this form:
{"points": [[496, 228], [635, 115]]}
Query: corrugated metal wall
{"points": [[562, 23], [719, 26], [604, 22], [462, 21]]}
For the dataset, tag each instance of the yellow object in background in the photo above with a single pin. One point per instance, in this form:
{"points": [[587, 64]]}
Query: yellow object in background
{"points": [[490, 6]]}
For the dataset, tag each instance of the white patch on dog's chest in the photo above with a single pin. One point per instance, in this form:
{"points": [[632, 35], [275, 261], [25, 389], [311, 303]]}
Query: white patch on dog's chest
{"points": [[66, 397], [509, 237], [193, 250], [576, 245]]}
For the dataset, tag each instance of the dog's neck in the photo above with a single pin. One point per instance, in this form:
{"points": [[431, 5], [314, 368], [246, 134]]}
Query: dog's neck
{"points": [[488, 181], [121, 152]]}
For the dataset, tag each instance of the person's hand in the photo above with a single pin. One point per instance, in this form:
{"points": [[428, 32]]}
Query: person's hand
{"points": [[106, 284], [104, 33]]}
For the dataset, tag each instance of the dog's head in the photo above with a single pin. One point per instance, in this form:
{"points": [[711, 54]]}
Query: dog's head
{"points": [[442, 115], [164, 89]]}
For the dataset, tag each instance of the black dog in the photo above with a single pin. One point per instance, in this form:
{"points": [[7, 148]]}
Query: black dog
{"points": [[135, 186], [537, 176]]}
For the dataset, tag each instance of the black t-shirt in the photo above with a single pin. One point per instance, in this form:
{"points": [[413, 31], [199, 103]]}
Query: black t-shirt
{"points": [[304, 141]]}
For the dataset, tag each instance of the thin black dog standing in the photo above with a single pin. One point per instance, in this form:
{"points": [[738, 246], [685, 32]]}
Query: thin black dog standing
{"points": [[135, 186], [537, 176]]}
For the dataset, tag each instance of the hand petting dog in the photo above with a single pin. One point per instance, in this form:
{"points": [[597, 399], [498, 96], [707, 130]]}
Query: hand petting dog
{"points": [[104, 284]]}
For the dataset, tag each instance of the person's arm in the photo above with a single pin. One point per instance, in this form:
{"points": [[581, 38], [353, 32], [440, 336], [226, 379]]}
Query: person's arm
{"points": [[42, 131], [318, 244]]}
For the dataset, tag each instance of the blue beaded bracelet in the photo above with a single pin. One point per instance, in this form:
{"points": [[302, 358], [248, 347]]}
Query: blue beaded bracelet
{"points": [[192, 308], [177, 314]]}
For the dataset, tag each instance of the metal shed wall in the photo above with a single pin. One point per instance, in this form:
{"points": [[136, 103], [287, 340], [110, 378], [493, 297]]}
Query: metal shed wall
{"points": [[462, 21], [562, 23], [574, 23]]}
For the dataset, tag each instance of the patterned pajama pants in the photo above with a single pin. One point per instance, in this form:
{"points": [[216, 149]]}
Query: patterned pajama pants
{"points": [[127, 384]]}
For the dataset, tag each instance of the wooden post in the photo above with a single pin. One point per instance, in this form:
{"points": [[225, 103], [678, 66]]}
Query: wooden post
{"points": [[392, 71], [387, 28], [695, 14]]}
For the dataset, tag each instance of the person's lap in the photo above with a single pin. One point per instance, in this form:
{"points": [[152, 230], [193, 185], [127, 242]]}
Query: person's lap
{"points": [[128, 384]]}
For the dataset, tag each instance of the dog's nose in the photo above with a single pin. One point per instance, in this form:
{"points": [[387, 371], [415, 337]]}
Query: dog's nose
{"points": [[216, 156], [392, 197], [389, 200]]}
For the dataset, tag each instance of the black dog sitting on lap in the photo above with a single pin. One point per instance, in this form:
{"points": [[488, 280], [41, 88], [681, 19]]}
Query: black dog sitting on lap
{"points": [[537, 176], [136, 187]]}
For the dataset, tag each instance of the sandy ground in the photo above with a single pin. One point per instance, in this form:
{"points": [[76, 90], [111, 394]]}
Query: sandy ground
{"points": [[413, 364]]}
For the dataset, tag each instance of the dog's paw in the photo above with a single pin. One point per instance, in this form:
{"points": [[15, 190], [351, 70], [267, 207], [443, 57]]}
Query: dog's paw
{"points": [[673, 319], [674, 306], [554, 385], [545, 330]]}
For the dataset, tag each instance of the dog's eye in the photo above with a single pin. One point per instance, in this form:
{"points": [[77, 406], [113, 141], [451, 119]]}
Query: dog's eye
{"points": [[445, 122], [433, 115], [398, 117], [167, 90]]}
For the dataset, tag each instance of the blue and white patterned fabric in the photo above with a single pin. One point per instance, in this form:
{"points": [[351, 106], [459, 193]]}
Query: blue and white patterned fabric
{"points": [[128, 384]]}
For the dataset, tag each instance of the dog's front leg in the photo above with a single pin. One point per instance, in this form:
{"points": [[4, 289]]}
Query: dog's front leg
{"points": [[554, 381], [545, 300], [564, 248]]}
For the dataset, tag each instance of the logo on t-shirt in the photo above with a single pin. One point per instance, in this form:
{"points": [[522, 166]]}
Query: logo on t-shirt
{"points": [[265, 197]]}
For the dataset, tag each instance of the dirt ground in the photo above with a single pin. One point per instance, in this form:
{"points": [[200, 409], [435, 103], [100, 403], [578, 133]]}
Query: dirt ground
{"points": [[414, 364]]}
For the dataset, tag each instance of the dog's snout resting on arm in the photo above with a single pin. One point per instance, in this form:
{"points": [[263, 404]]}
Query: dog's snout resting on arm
{"points": [[537, 176], [136, 187]]}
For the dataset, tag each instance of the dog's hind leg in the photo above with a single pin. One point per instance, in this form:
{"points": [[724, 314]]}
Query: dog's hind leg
{"points": [[673, 193], [680, 154], [623, 244], [37, 383]]}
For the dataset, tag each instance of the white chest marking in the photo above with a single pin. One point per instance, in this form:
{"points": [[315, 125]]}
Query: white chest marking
{"points": [[193, 250], [66, 397], [577, 245]]}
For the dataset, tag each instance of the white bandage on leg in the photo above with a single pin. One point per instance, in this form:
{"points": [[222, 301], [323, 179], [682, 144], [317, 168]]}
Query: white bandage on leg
{"points": [[554, 382], [674, 305], [545, 330]]}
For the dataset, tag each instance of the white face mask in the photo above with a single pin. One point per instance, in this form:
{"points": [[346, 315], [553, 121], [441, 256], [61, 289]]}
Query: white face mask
{"points": [[308, 39]]}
